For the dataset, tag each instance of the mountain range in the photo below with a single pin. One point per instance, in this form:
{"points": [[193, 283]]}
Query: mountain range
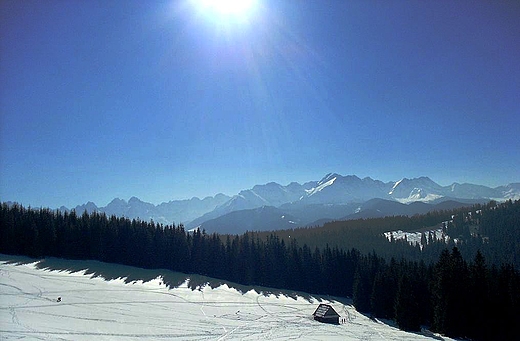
{"points": [[335, 197]]}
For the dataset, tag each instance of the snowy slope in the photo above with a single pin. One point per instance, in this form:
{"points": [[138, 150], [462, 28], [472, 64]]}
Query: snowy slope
{"points": [[132, 309]]}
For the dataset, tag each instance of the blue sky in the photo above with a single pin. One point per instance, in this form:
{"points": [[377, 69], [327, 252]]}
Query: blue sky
{"points": [[168, 100]]}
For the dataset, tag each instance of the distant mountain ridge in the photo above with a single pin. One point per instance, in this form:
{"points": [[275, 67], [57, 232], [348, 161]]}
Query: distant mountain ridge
{"points": [[175, 211], [333, 197], [268, 218]]}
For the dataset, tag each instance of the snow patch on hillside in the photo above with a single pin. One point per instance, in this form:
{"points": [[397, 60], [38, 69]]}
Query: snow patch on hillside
{"points": [[414, 238]]}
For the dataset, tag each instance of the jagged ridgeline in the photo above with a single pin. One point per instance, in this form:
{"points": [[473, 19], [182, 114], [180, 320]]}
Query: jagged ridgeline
{"points": [[273, 206], [470, 267]]}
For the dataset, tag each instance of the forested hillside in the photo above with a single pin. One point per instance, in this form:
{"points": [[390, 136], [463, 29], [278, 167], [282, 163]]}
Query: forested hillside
{"points": [[451, 287], [493, 229]]}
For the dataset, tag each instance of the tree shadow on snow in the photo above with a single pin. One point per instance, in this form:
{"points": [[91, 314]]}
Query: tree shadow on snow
{"points": [[170, 279], [391, 323]]}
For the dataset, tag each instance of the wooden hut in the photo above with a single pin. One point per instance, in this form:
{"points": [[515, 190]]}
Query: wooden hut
{"points": [[326, 314]]}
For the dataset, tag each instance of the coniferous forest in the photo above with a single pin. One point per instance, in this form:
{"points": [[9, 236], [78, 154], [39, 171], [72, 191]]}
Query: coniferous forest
{"points": [[466, 285]]}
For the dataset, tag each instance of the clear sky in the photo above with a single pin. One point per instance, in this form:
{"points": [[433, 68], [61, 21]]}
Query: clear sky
{"points": [[173, 99]]}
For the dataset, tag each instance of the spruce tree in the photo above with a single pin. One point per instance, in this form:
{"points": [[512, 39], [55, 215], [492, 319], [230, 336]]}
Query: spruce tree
{"points": [[407, 312]]}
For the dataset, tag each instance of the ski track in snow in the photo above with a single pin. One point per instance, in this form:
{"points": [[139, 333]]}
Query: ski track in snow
{"points": [[115, 310]]}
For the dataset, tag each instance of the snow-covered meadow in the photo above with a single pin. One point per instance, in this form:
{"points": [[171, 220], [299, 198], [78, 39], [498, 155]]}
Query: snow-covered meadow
{"points": [[112, 302]]}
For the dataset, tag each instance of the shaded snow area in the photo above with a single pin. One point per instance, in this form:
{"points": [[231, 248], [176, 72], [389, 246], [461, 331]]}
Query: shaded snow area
{"points": [[93, 307]]}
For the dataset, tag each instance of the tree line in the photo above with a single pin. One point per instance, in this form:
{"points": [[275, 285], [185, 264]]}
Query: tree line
{"points": [[455, 295]]}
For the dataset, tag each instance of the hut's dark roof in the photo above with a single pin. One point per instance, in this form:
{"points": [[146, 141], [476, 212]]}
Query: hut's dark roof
{"points": [[325, 310]]}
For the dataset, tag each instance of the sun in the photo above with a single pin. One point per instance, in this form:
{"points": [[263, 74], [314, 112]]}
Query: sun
{"points": [[230, 9]]}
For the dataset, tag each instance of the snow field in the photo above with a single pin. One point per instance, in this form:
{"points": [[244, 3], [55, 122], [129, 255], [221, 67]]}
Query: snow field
{"points": [[95, 308]]}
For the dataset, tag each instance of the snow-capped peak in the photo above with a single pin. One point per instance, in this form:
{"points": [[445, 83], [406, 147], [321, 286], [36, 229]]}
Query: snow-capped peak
{"points": [[417, 189]]}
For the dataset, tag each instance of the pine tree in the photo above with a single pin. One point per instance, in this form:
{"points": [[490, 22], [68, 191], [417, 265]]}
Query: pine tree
{"points": [[450, 294], [478, 301], [440, 292], [362, 289], [407, 312], [383, 295]]}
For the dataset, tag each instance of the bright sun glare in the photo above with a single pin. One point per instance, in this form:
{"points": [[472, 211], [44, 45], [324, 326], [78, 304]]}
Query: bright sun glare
{"points": [[237, 8]]}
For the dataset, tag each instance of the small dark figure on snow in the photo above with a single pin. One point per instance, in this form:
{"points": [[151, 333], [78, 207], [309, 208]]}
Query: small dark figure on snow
{"points": [[59, 299]]}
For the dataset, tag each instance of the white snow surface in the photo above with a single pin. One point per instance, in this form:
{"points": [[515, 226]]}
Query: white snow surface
{"points": [[93, 307]]}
